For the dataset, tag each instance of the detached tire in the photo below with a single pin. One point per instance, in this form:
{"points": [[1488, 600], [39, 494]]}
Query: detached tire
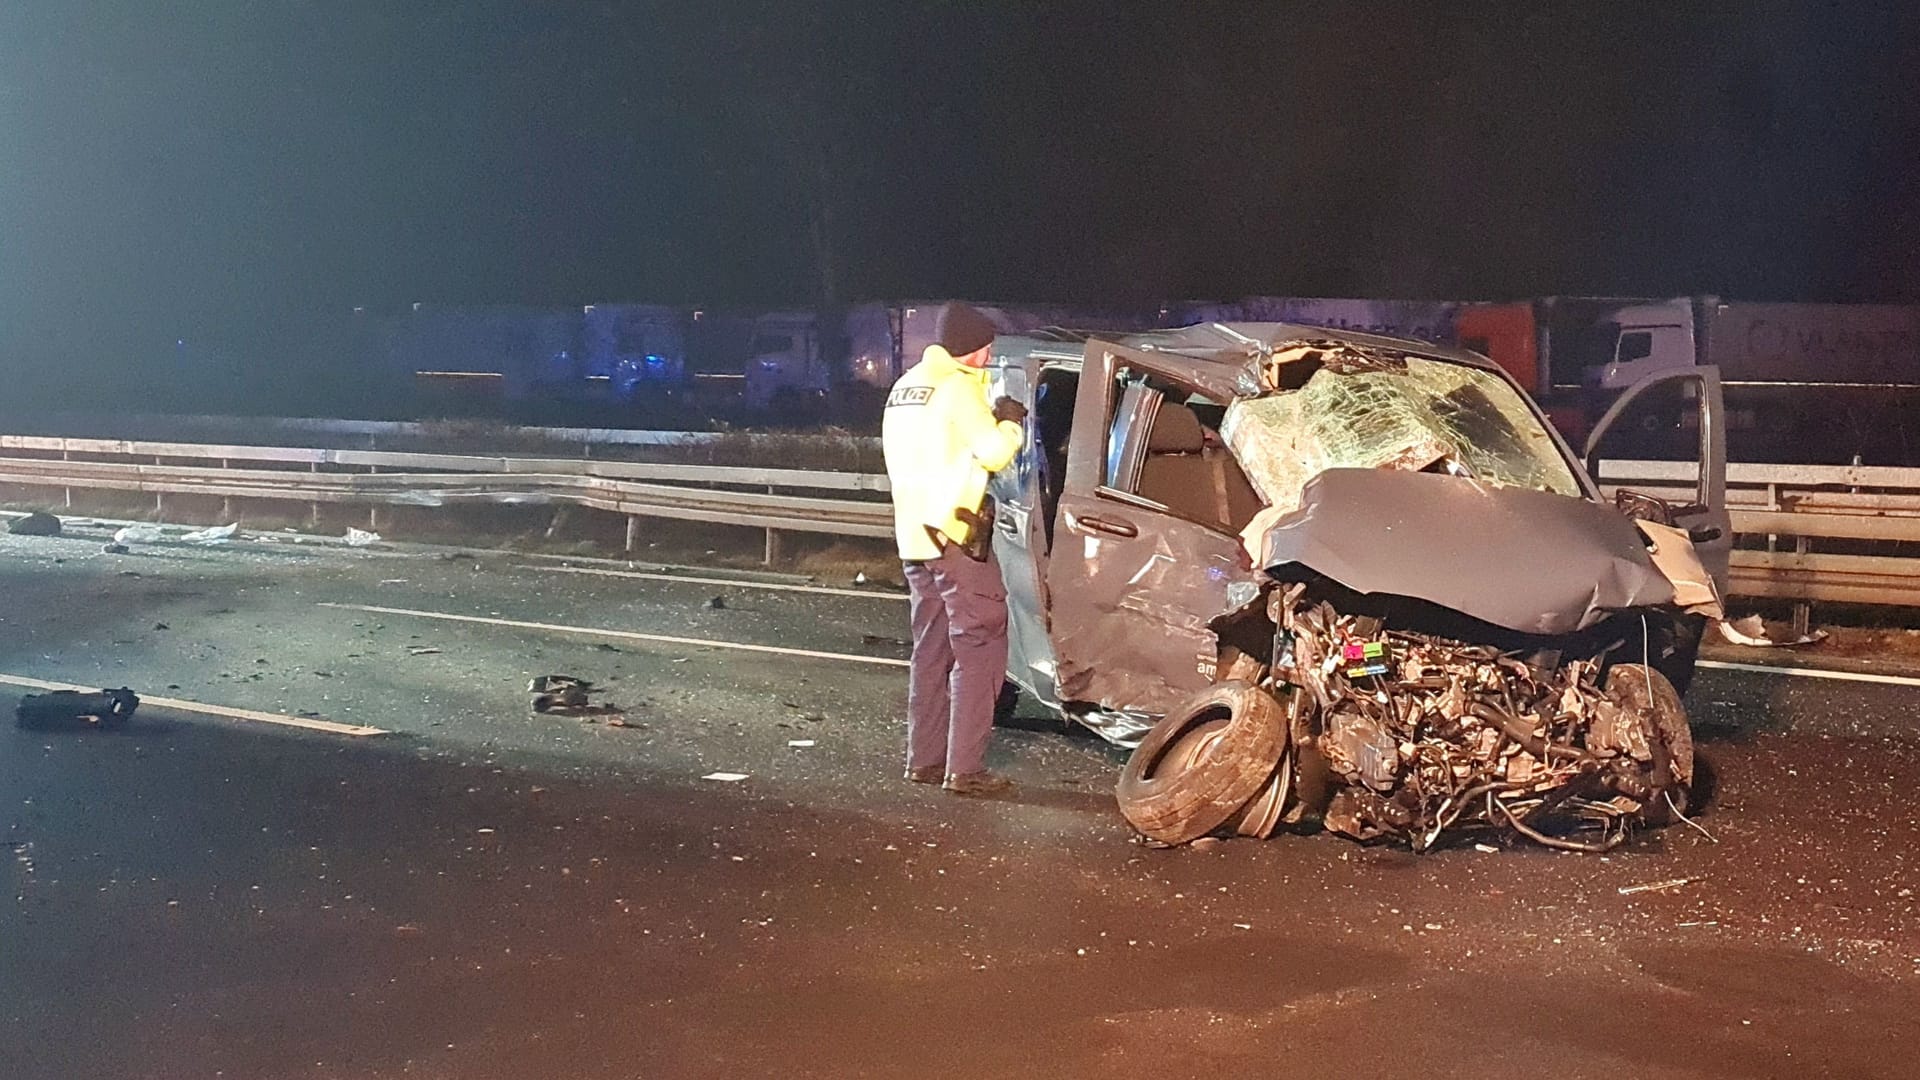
{"points": [[1176, 805], [1649, 693]]}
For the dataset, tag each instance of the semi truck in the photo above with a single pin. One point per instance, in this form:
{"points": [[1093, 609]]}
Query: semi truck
{"points": [[1804, 382]]}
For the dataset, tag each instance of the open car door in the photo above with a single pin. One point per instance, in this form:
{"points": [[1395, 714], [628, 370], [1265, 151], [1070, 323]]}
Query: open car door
{"points": [[1661, 449], [1141, 560]]}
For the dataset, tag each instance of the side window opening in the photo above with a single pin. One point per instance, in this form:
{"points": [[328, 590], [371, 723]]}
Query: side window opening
{"points": [[1636, 345], [1179, 460], [1053, 424]]}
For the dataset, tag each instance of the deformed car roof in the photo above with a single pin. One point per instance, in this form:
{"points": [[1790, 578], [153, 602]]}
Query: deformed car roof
{"points": [[1213, 356]]}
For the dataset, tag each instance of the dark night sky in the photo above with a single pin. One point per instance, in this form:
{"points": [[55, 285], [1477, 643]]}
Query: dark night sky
{"points": [[213, 167]]}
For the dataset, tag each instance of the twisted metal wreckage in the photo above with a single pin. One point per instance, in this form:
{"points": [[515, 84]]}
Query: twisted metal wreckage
{"points": [[1442, 638]]}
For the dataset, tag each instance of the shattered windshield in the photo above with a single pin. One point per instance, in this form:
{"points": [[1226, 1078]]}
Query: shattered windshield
{"points": [[1413, 414]]}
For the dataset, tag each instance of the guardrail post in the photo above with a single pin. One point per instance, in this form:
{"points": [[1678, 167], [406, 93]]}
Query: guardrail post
{"points": [[1802, 609], [773, 547], [633, 533]]}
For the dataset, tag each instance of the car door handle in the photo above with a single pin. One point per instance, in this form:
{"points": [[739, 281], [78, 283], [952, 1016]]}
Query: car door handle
{"points": [[1111, 526]]}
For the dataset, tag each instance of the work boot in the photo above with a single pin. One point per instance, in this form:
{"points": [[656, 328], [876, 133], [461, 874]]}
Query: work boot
{"points": [[979, 783], [931, 774]]}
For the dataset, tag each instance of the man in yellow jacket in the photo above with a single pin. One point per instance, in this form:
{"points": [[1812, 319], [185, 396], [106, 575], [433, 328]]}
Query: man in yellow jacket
{"points": [[942, 440]]}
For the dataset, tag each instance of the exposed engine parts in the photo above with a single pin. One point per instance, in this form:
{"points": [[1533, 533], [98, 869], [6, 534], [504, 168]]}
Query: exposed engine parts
{"points": [[1376, 731]]}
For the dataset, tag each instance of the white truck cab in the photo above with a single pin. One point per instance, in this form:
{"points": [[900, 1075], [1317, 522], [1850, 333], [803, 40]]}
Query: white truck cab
{"points": [[1650, 339]]}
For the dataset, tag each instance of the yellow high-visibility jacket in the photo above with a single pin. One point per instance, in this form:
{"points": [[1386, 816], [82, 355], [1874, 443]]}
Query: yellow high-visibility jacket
{"points": [[941, 442]]}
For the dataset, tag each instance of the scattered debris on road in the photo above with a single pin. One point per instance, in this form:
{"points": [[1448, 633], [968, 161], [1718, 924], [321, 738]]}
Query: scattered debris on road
{"points": [[35, 524], [558, 693], [726, 777], [569, 695], [68, 708], [718, 603], [114, 549], [800, 743], [421, 650], [218, 534], [1752, 631], [128, 535], [1659, 886], [361, 538]]}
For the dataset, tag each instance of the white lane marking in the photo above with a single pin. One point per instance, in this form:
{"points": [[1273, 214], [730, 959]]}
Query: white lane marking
{"points": [[774, 586], [1811, 673], [628, 635], [227, 711]]}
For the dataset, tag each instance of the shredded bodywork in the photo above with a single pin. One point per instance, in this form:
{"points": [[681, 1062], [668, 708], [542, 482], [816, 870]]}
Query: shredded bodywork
{"points": [[1423, 734]]}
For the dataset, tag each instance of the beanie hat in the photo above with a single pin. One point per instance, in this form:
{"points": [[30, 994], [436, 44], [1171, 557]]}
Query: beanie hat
{"points": [[961, 329]]}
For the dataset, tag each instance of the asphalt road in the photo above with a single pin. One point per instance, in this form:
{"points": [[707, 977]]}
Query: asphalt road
{"points": [[483, 892]]}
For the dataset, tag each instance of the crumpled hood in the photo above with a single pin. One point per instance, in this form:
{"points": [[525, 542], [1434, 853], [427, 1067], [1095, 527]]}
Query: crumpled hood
{"points": [[1526, 560]]}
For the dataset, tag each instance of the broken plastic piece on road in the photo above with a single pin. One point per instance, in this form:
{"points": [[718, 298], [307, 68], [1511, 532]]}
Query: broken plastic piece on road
{"points": [[361, 537], [100, 709], [35, 524], [1752, 631], [553, 693], [726, 777], [1659, 886], [1486, 849], [421, 650], [114, 549], [139, 534], [800, 743], [218, 534]]}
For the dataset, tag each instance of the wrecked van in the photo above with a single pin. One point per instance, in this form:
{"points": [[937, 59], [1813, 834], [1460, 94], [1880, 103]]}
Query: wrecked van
{"points": [[1324, 577]]}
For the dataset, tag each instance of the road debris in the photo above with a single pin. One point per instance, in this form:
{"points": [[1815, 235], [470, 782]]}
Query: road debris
{"points": [[718, 603], [800, 743], [114, 549], [69, 708], [1751, 631], [1659, 886], [218, 534], [361, 538], [128, 535], [35, 524], [726, 777], [569, 695], [421, 650]]}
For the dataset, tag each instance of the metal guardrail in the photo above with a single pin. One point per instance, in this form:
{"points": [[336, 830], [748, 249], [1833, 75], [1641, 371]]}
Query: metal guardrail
{"points": [[222, 428], [1781, 511], [771, 499]]}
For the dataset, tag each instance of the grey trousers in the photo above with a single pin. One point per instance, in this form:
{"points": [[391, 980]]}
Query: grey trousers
{"points": [[959, 660]]}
